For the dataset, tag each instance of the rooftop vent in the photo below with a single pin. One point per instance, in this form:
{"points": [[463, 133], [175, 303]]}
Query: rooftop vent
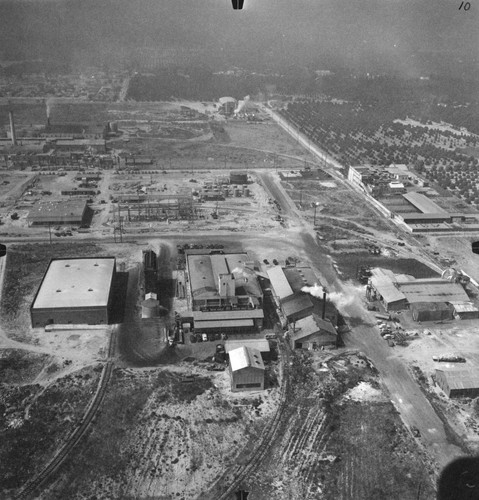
{"points": [[58, 290], [67, 265], [96, 264], [90, 289]]}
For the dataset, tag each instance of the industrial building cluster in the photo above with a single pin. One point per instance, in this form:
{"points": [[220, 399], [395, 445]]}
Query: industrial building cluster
{"points": [[403, 196]]}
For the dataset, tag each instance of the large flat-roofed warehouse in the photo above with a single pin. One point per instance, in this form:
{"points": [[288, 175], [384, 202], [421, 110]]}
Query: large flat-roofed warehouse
{"points": [[58, 212], [224, 292], [76, 291]]}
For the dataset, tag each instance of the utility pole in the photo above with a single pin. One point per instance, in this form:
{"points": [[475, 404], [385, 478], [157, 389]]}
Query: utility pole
{"points": [[315, 207], [50, 231]]}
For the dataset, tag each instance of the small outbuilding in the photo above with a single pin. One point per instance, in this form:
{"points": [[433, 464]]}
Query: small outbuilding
{"points": [[246, 369], [313, 332], [458, 383], [465, 310]]}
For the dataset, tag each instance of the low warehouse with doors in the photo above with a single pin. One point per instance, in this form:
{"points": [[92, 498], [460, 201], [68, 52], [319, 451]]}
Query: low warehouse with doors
{"points": [[75, 291], [458, 383], [246, 369]]}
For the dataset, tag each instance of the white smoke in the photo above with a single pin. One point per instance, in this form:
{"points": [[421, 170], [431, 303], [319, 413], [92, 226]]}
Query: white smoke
{"points": [[241, 105], [240, 272], [49, 104], [338, 299]]}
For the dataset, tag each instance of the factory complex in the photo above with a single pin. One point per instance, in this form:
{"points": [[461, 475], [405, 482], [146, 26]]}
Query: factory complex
{"points": [[429, 297], [75, 291], [405, 198], [224, 292]]}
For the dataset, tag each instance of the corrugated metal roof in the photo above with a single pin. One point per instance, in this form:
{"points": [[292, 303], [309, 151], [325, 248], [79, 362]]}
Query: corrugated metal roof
{"points": [[423, 203], [464, 307], [279, 282], [461, 379], [261, 345], [296, 304], [219, 315], [245, 357], [224, 323], [387, 289], [433, 291]]}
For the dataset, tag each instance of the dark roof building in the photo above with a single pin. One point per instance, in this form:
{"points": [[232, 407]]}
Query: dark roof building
{"points": [[313, 332], [58, 212]]}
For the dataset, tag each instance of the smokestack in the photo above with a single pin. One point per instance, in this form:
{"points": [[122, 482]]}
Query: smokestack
{"points": [[12, 128], [324, 303], [47, 108]]}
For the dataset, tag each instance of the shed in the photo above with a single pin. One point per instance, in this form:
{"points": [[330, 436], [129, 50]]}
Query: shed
{"points": [[458, 383], [465, 310], [312, 332], [431, 311], [246, 369]]}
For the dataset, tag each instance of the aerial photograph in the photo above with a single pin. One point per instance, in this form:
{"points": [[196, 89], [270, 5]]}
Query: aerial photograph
{"points": [[239, 250]]}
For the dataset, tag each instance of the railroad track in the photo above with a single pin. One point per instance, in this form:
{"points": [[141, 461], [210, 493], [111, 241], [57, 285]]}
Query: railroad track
{"points": [[76, 436], [241, 472]]}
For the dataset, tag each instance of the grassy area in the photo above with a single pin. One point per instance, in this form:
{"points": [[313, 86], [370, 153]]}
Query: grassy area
{"points": [[29, 443], [20, 366]]}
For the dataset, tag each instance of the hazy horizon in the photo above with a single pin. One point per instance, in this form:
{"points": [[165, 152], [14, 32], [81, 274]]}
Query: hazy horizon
{"points": [[404, 36]]}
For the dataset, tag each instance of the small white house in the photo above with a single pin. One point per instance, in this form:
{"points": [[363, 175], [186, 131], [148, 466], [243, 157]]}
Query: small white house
{"points": [[246, 369]]}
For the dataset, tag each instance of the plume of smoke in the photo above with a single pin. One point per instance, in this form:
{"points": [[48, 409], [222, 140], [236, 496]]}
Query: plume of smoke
{"points": [[338, 299], [241, 105], [49, 104]]}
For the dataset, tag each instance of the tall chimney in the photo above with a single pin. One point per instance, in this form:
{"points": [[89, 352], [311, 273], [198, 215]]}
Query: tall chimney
{"points": [[12, 128], [324, 304]]}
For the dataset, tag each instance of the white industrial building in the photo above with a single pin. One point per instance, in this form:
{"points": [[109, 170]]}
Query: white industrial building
{"points": [[246, 369], [75, 291]]}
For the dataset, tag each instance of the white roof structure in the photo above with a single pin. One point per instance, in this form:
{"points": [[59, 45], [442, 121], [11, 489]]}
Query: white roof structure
{"points": [[245, 357], [261, 345], [279, 282], [76, 283]]}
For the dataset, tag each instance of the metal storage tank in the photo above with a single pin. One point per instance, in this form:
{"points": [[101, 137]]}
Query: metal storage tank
{"points": [[150, 307], [226, 192], [245, 186], [237, 193], [246, 192]]}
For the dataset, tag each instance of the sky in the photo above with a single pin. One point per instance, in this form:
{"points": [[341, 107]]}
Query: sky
{"points": [[410, 36]]}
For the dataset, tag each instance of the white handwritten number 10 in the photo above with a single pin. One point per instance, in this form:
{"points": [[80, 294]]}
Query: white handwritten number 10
{"points": [[465, 6]]}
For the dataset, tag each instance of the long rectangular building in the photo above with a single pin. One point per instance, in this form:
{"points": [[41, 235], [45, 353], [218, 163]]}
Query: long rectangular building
{"points": [[76, 291], [58, 212]]}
